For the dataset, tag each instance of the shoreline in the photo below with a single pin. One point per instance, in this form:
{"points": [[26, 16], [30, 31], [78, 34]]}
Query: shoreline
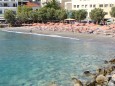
{"points": [[33, 30]]}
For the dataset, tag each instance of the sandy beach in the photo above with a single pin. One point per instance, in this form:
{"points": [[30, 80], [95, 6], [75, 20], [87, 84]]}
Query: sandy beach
{"points": [[33, 29]]}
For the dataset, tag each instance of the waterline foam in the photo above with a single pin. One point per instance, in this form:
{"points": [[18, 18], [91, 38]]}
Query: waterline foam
{"points": [[55, 36]]}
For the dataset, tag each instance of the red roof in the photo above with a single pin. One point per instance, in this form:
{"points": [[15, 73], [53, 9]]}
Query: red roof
{"points": [[31, 4]]}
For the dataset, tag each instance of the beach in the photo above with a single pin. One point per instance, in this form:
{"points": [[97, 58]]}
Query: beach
{"points": [[36, 30]]}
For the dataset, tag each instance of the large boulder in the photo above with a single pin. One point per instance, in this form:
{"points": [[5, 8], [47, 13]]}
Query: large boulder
{"points": [[112, 61], [112, 81], [101, 79], [77, 82]]}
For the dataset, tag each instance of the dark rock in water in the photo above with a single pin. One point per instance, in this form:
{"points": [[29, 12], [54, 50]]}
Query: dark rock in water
{"points": [[112, 61], [23, 84], [105, 61], [77, 82], [87, 73]]}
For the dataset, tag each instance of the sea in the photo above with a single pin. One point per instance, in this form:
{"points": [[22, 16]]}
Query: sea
{"points": [[28, 59]]}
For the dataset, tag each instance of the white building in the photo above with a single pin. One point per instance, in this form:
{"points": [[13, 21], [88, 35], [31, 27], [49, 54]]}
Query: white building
{"points": [[7, 4], [91, 4]]}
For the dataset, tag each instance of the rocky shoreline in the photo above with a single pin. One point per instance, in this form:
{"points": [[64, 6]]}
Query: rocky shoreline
{"points": [[102, 77]]}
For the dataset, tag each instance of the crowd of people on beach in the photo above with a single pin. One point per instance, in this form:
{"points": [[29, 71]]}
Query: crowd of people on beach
{"points": [[89, 28]]}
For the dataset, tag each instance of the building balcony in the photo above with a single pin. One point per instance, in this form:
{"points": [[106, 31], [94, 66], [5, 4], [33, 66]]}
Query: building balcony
{"points": [[1, 6], [1, 15], [8, 8]]}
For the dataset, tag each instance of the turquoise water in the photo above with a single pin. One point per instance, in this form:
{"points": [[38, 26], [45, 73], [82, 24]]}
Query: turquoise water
{"points": [[34, 60]]}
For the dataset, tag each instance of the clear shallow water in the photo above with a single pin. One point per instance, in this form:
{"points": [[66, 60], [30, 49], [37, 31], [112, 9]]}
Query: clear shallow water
{"points": [[31, 60]]}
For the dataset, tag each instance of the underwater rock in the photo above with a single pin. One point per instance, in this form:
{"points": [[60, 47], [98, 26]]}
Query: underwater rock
{"points": [[53, 84], [87, 73], [105, 61]]}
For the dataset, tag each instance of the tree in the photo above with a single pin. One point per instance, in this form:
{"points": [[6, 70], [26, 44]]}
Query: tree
{"points": [[42, 14], [112, 12], [22, 17], [50, 14], [10, 16], [73, 13], [80, 15], [97, 15], [61, 14], [33, 15], [52, 4], [23, 13]]}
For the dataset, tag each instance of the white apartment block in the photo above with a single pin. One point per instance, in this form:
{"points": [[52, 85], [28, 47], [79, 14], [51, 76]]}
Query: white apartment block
{"points": [[9, 5], [88, 5]]}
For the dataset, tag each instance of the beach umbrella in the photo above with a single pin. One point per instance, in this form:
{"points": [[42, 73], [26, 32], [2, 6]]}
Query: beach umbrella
{"points": [[69, 19]]}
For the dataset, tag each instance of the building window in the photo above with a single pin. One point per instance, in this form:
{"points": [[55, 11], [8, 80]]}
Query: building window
{"points": [[90, 5], [82, 6], [74, 6], [0, 4], [85, 6], [111, 5], [77, 6], [0, 11], [94, 5], [5, 5], [105, 5], [14, 5], [101, 5]]}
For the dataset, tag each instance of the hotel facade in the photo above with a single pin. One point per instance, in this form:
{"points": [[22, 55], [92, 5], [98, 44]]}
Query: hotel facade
{"points": [[89, 5]]}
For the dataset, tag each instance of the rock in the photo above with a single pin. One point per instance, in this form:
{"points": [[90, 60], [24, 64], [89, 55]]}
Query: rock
{"points": [[107, 70], [101, 71], [100, 79], [53, 84], [113, 68], [112, 61], [91, 83], [87, 73], [105, 61], [77, 82], [113, 77], [112, 81]]}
